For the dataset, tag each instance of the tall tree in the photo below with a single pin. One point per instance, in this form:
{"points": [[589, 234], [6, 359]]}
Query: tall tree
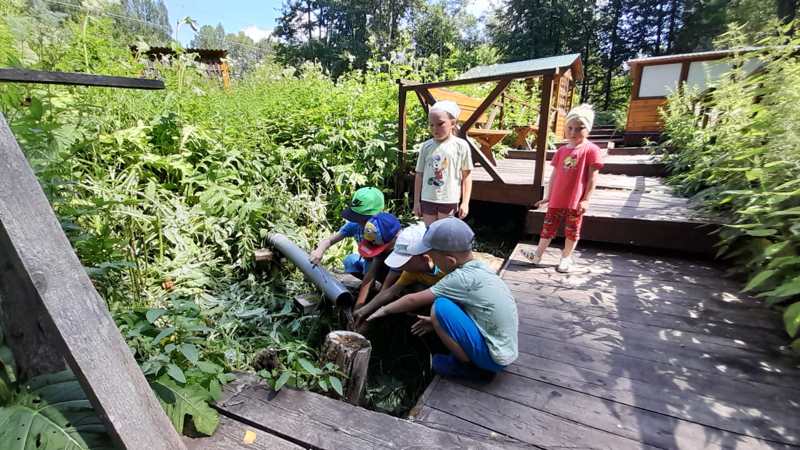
{"points": [[145, 19], [209, 37]]}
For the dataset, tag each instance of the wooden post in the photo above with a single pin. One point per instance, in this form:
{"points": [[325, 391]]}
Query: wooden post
{"points": [[40, 273], [400, 174], [350, 352], [541, 136], [477, 155]]}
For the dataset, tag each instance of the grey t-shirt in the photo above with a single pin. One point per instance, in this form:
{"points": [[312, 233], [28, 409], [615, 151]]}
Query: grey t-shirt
{"points": [[486, 299], [441, 165]]}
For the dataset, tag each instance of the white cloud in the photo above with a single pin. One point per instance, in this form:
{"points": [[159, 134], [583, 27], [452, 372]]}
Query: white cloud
{"points": [[255, 33]]}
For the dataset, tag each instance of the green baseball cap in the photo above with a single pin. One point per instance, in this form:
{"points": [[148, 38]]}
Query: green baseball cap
{"points": [[366, 202]]}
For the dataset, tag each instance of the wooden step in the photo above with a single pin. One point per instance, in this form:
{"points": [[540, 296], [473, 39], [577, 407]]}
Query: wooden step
{"points": [[640, 219], [630, 151], [626, 164]]}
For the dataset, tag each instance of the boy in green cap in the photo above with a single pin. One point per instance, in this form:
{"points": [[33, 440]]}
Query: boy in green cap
{"points": [[366, 202]]}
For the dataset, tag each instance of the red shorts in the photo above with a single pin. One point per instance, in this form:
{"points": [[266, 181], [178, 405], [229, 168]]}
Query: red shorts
{"points": [[553, 219]]}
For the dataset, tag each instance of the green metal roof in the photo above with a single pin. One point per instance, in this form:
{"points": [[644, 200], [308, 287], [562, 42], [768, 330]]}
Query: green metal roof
{"points": [[530, 65]]}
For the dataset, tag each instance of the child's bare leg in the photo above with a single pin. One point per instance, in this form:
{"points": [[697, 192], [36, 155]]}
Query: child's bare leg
{"points": [[448, 342], [543, 244], [569, 247]]}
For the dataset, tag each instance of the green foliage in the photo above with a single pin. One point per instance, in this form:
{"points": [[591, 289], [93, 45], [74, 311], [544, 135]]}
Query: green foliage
{"points": [[165, 195], [745, 164], [181, 401], [51, 412]]}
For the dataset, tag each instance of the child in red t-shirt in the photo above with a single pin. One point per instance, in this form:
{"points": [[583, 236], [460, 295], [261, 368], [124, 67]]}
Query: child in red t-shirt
{"points": [[572, 182]]}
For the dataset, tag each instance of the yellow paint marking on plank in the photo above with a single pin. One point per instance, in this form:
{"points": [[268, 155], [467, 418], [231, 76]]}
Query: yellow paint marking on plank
{"points": [[249, 437]]}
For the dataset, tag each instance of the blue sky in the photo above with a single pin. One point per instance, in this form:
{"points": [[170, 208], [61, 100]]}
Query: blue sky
{"points": [[255, 17]]}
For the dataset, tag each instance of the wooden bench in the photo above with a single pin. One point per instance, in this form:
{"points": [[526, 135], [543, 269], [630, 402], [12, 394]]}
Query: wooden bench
{"points": [[482, 133]]}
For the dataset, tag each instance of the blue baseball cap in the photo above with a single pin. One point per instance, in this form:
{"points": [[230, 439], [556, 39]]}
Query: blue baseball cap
{"points": [[447, 235], [379, 233]]}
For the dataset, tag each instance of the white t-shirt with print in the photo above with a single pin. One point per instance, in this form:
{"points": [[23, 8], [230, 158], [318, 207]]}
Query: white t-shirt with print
{"points": [[441, 165]]}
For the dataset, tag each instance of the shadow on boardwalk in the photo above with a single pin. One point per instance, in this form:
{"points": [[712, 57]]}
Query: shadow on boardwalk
{"points": [[631, 351]]}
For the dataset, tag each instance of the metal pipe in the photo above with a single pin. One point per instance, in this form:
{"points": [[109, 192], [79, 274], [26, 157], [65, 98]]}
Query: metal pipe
{"points": [[330, 286]]}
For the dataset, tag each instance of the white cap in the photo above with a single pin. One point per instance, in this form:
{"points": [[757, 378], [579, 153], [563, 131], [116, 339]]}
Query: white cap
{"points": [[448, 106], [584, 113], [408, 236]]}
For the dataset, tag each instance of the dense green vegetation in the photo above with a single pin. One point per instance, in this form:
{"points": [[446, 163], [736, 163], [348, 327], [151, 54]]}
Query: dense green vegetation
{"points": [[745, 164], [166, 194]]}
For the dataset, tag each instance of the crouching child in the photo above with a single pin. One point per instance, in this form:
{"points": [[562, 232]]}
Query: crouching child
{"points": [[473, 312]]}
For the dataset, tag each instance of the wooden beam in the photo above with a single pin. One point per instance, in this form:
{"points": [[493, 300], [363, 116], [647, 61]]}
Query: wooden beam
{"points": [[541, 136], [513, 76], [487, 102], [79, 79], [38, 268]]}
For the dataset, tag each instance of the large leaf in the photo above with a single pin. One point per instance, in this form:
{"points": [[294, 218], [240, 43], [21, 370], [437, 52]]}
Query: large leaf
{"points": [[52, 412], [181, 401], [791, 319]]}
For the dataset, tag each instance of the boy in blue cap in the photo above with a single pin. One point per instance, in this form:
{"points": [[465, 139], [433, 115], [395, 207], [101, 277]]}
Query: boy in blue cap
{"points": [[366, 202], [379, 237], [473, 313]]}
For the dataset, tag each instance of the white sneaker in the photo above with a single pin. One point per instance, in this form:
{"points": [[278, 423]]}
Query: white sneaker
{"points": [[532, 256], [565, 265]]}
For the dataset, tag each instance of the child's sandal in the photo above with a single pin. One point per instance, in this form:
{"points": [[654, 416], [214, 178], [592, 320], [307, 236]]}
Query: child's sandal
{"points": [[532, 256]]}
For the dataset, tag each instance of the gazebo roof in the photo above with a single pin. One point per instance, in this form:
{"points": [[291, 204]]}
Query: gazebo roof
{"points": [[555, 63]]}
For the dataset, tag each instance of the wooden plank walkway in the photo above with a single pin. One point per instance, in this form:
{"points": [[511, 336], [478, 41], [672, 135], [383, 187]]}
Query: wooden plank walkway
{"points": [[635, 210], [631, 351]]}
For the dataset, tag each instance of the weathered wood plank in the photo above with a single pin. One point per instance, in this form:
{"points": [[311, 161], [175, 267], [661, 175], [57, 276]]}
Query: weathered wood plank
{"points": [[38, 266], [576, 316], [744, 370], [539, 427], [79, 79], [676, 398], [439, 420], [322, 422], [233, 435], [687, 380], [656, 340], [634, 423]]}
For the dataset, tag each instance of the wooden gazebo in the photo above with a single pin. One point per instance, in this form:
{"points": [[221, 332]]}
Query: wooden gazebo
{"points": [[507, 181]]}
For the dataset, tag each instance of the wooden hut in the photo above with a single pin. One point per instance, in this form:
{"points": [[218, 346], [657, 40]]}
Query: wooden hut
{"points": [[654, 78], [211, 60], [504, 181]]}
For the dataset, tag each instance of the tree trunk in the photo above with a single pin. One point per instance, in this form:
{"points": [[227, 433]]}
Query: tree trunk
{"points": [[350, 352], [612, 57], [787, 9], [659, 26], [673, 17]]}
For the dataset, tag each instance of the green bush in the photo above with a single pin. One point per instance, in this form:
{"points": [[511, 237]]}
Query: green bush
{"points": [[166, 194], [746, 165]]}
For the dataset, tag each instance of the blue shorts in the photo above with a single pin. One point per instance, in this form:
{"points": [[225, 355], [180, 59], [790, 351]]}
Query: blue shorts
{"points": [[355, 264], [462, 329]]}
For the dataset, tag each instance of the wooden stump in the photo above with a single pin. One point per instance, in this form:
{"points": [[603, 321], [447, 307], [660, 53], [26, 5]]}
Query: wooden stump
{"points": [[350, 353]]}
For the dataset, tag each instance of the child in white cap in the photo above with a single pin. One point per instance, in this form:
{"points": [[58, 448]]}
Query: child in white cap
{"points": [[417, 272], [473, 312], [443, 181], [572, 182]]}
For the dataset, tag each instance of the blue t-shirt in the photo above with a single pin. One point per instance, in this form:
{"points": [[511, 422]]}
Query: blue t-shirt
{"points": [[353, 230]]}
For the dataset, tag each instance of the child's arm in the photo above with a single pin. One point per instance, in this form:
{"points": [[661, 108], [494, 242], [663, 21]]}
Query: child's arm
{"points": [[316, 256], [366, 284], [409, 302], [466, 193], [546, 197], [384, 297], [587, 194], [390, 280], [417, 194]]}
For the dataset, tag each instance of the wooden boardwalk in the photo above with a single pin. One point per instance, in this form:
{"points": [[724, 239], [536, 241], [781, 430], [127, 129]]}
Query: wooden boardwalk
{"points": [[630, 351], [633, 210]]}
